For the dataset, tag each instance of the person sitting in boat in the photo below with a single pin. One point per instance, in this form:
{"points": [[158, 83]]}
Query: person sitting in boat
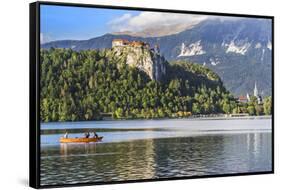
{"points": [[65, 135], [87, 135], [96, 135]]}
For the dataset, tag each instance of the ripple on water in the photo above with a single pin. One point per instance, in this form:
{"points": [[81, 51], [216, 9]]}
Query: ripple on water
{"points": [[156, 158]]}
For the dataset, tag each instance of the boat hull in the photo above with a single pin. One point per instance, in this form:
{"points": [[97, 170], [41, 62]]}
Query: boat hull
{"points": [[80, 140]]}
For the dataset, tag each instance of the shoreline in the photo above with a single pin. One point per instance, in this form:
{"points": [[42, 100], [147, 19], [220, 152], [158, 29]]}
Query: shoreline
{"points": [[230, 117], [202, 117], [60, 127]]}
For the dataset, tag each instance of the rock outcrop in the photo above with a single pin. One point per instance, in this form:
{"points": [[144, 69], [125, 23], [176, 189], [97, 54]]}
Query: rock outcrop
{"points": [[148, 60]]}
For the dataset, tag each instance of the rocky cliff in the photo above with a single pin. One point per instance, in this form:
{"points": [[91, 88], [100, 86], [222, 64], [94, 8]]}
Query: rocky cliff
{"points": [[148, 60]]}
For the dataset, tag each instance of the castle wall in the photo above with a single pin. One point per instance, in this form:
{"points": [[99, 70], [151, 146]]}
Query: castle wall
{"points": [[117, 43]]}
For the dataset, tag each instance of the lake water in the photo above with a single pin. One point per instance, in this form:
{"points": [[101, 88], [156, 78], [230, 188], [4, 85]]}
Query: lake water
{"points": [[151, 149]]}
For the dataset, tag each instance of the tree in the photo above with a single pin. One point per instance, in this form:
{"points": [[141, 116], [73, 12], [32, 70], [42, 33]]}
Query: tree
{"points": [[196, 109], [258, 109], [251, 110], [267, 105], [119, 113], [45, 110], [226, 107], [63, 111], [174, 85], [161, 112]]}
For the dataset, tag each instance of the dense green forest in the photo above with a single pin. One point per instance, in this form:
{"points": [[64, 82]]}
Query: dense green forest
{"points": [[89, 84]]}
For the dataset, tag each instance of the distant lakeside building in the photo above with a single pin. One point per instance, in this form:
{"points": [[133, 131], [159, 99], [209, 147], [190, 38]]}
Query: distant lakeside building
{"points": [[245, 99]]}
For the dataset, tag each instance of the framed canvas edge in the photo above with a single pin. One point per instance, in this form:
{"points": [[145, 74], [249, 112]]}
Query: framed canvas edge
{"points": [[34, 104], [34, 92]]}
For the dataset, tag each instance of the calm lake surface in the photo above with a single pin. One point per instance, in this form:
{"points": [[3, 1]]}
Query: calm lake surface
{"points": [[151, 149]]}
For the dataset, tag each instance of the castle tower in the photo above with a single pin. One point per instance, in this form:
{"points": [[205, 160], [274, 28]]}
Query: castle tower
{"points": [[256, 93]]}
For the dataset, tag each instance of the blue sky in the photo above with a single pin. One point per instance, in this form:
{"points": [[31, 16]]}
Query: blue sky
{"points": [[61, 22], [81, 23]]}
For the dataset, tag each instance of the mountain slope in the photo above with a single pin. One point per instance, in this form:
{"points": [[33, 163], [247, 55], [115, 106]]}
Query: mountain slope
{"points": [[238, 50]]}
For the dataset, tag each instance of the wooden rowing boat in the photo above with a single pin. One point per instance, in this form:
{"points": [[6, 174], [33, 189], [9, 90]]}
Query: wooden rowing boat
{"points": [[80, 140]]}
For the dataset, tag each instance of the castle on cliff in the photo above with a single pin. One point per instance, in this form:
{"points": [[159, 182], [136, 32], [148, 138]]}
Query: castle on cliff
{"points": [[139, 44], [124, 42]]}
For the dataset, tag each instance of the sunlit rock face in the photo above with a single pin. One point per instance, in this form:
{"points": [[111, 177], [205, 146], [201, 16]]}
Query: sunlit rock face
{"points": [[191, 50], [148, 60]]}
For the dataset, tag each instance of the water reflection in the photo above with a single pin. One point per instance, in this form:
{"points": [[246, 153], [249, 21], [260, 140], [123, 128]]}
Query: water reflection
{"points": [[156, 158], [121, 131]]}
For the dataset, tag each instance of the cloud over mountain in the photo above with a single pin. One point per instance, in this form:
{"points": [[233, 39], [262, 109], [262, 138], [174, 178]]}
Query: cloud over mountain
{"points": [[149, 23]]}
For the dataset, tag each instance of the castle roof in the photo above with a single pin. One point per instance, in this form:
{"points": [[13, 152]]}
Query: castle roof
{"points": [[241, 98], [137, 43]]}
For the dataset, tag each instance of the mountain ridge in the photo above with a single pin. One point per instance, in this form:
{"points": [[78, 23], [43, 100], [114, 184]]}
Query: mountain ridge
{"points": [[238, 50]]}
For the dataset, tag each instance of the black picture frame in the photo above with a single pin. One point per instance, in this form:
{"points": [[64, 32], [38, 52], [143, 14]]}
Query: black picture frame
{"points": [[34, 91]]}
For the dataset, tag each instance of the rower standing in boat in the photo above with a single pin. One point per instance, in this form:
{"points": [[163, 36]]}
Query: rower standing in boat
{"points": [[65, 135], [95, 134], [87, 135]]}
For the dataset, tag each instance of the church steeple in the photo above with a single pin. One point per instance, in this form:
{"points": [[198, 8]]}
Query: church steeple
{"points": [[248, 97], [256, 93]]}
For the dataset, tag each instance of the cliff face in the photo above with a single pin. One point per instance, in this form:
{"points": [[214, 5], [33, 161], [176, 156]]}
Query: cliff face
{"points": [[149, 61]]}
